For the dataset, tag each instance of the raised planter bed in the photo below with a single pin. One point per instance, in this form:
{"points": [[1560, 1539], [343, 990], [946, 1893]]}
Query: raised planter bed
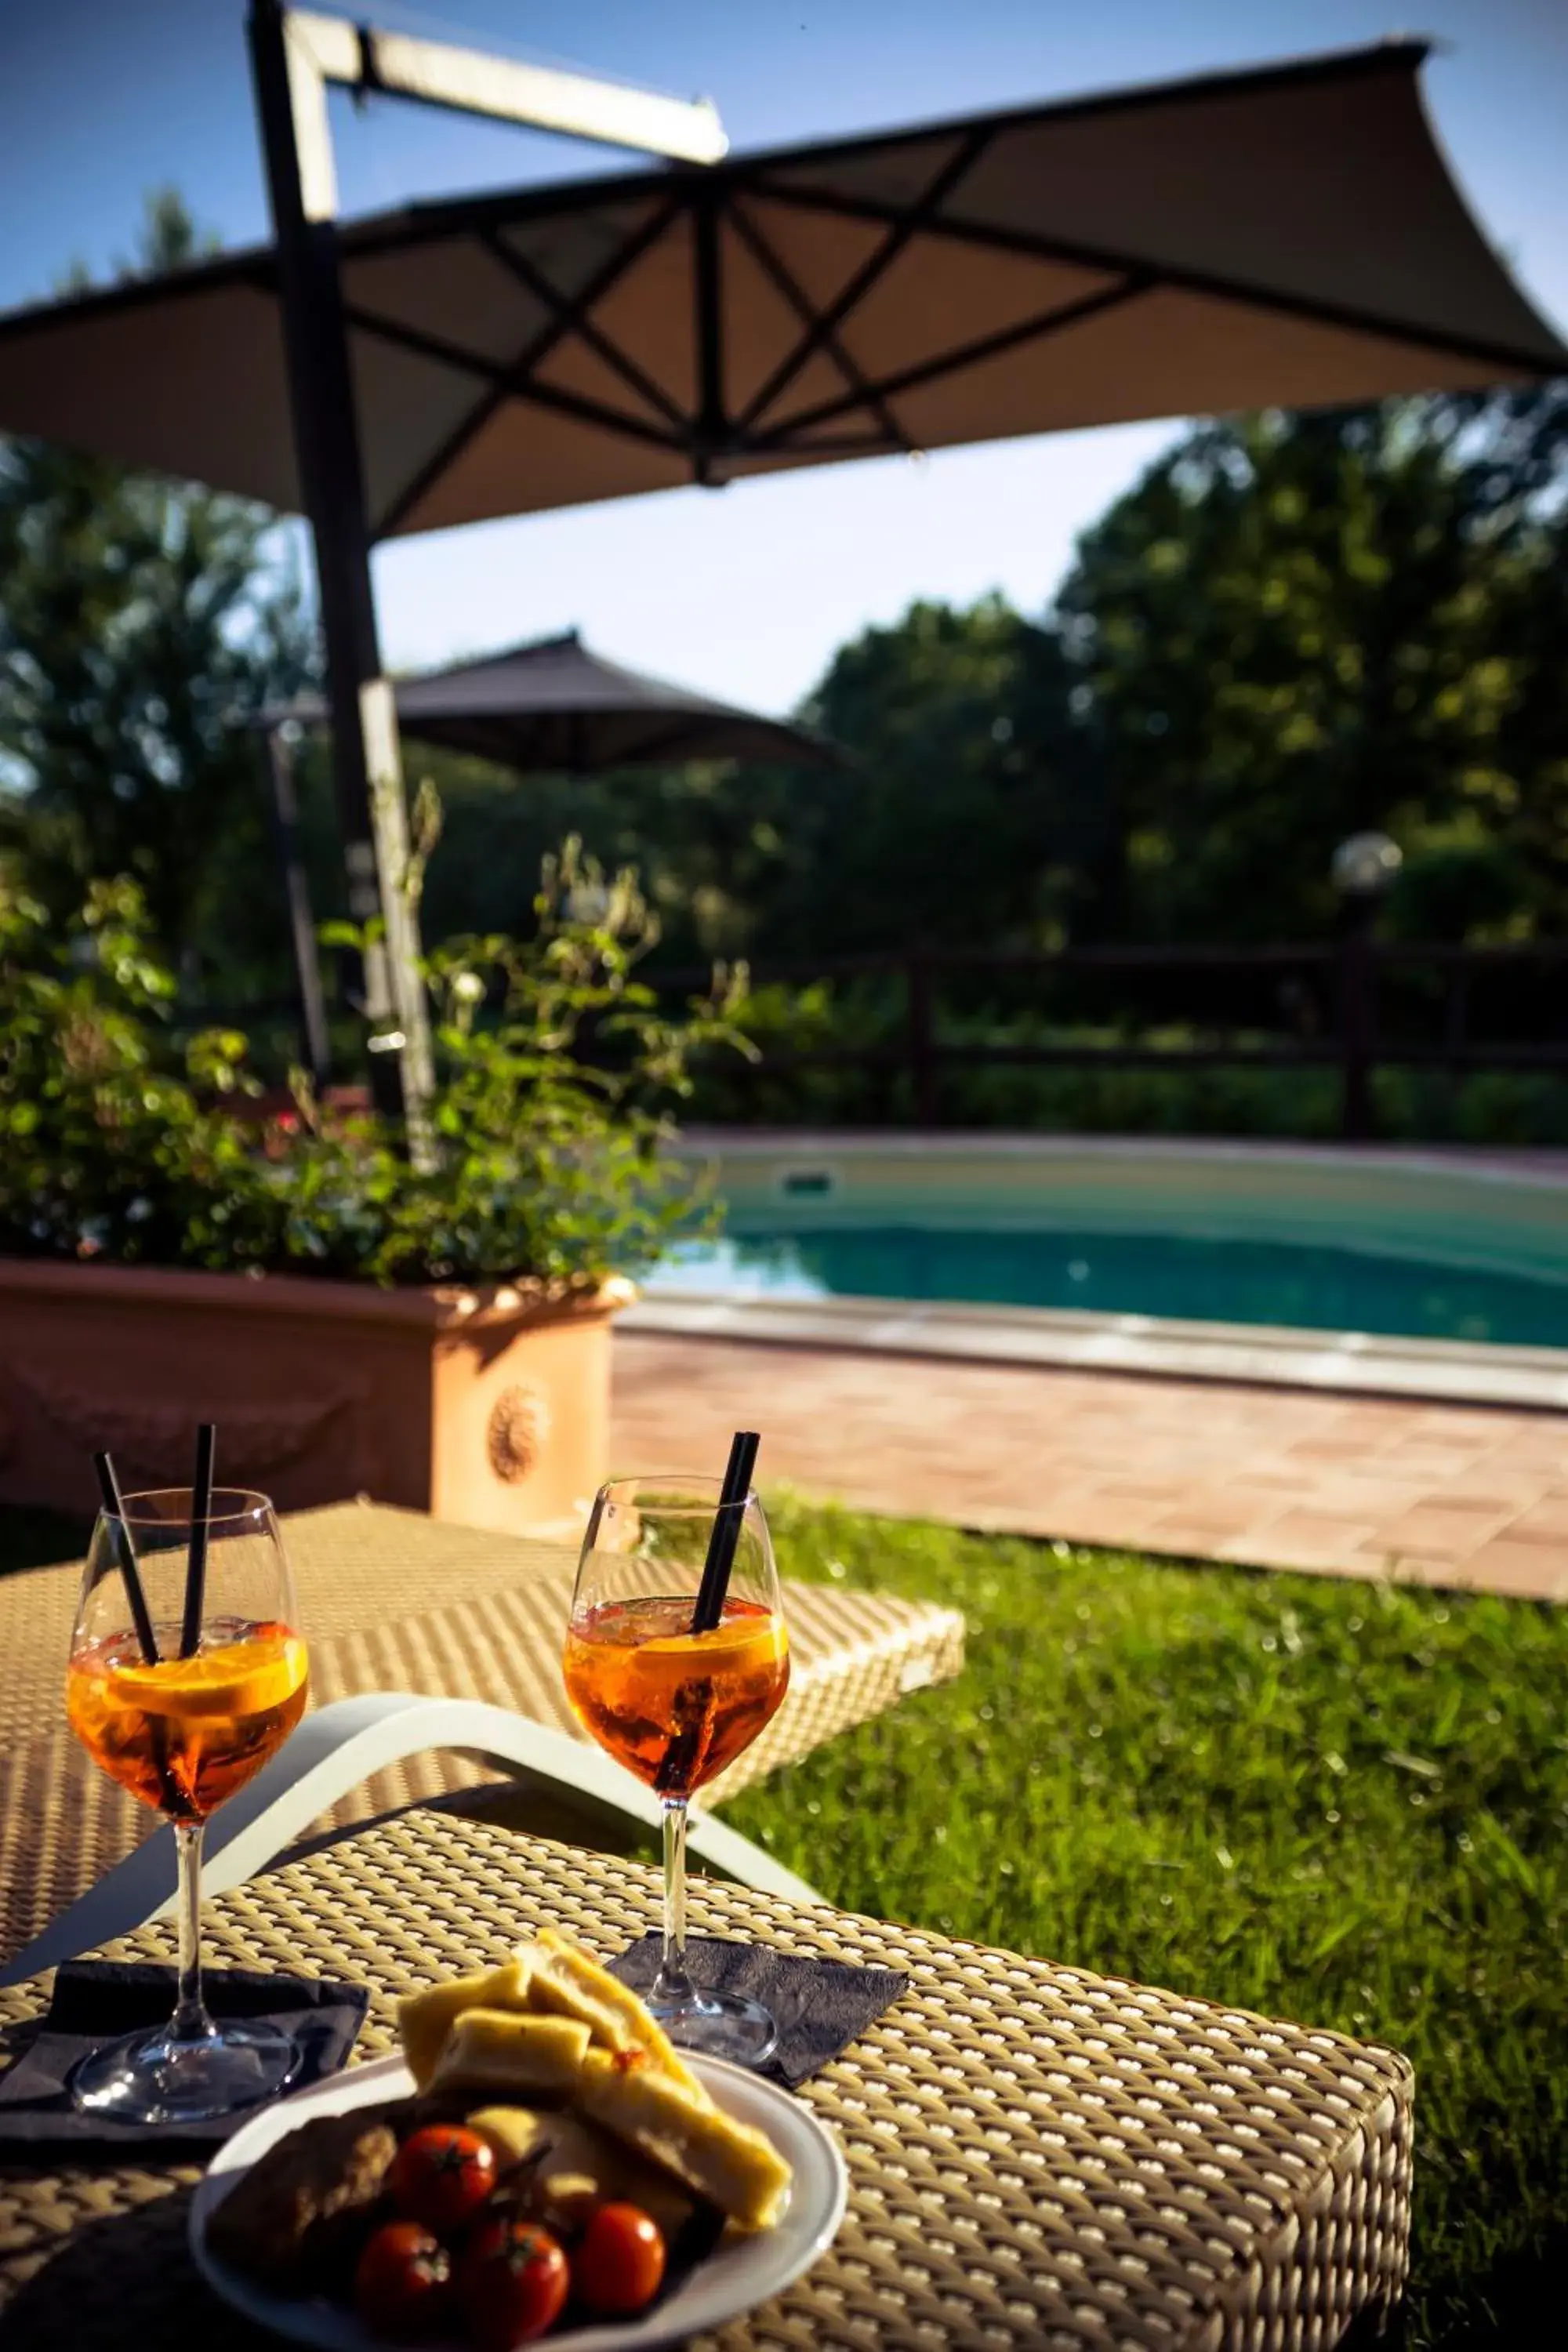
{"points": [[489, 1405]]}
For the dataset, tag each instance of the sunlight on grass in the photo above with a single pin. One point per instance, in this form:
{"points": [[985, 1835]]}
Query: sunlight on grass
{"points": [[1344, 1803]]}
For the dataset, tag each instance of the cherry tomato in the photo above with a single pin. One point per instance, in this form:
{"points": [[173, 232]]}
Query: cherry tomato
{"points": [[512, 2277], [441, 2176], [618, 2266], [402, 2285]]}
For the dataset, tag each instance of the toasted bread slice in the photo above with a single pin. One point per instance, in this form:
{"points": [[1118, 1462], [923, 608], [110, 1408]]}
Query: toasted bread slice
{"points": [[496, 2050], [425, 2018], [737, 2167], [570, 1975]]}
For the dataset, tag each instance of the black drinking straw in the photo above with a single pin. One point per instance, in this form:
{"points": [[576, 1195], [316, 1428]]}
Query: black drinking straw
{"points": [[726, 1532], [681, 1760], [114, 1509], [197, 1566]]}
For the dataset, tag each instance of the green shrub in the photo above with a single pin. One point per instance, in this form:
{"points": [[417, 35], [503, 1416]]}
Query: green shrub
{"points": [[556, 1074], [1504, 1107]]}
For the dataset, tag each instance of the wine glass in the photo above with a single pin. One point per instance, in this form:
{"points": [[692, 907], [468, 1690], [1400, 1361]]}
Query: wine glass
{"points": [[674, 1706], [187, 1672]]}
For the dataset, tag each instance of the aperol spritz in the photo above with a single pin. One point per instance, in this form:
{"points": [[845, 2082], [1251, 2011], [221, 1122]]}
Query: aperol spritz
{"points": [[673, 1704], [183, 1701]]}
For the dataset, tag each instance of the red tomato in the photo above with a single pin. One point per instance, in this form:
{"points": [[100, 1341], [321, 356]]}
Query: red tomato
{"points": [[618, 2266], [402, 2285], [512, 2278], [441, 2176]]}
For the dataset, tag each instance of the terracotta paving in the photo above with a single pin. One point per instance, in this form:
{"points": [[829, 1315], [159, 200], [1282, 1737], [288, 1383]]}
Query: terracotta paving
{"points": [[1271, 1477]]}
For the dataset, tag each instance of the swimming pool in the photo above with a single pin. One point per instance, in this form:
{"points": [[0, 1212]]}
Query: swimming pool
{"points": [[1384, 1243]]}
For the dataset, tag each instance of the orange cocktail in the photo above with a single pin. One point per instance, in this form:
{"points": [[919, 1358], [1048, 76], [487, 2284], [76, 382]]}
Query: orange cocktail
{"points": [[672, 1705], [185, 1733]]}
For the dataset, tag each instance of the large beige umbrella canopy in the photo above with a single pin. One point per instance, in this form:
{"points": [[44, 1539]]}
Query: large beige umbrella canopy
{"points": [[1289, 236]]}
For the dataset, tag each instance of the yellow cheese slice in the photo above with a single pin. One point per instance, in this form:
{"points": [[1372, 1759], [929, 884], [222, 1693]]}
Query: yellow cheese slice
{"points": [[425, 2018], [570, 1971], [737, 2167], [514, 2133], [495, 2050]]}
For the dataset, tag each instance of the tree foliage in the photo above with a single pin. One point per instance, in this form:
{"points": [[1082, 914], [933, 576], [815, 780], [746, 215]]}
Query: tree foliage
{"points": [[967, 809], [142, 625], [1295, 628]]}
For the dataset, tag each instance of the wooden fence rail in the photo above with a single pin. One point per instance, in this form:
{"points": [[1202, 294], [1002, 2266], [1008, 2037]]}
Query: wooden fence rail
{"points": [[1352, 974]]}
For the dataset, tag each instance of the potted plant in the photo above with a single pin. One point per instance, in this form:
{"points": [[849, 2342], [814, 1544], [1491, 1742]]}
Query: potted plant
{"points": [[437, 1334]]}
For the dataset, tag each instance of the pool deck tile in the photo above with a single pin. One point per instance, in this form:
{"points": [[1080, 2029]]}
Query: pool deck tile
{"points": [[1266, 1478]]}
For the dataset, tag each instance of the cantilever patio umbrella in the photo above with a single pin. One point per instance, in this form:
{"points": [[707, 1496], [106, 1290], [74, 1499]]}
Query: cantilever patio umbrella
{"points": [[556, 705], [1289, 236]]}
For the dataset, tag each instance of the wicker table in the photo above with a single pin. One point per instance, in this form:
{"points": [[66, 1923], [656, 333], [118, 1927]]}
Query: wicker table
{"points": [[1039, 2158], [391, 1601]]}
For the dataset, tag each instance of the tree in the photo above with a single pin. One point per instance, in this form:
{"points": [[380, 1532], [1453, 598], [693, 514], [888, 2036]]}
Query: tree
{"points": [[971, 814], [1297, 628], [142, 624]]}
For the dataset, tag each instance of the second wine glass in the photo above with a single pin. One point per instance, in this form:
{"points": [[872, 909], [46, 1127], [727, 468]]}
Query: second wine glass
{"points": [[182, 1695], [673, 1705]]}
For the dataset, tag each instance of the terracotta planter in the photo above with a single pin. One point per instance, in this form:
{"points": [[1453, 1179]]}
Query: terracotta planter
{"points": [[488, 1406]]}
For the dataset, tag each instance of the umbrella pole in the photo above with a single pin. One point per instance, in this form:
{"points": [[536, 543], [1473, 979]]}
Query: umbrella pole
{"points": [[367, 769], [314, 1040]]}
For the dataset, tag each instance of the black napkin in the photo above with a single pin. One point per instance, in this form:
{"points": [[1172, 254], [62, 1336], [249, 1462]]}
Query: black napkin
{"points": [[95, 2002], [820, 2005]]}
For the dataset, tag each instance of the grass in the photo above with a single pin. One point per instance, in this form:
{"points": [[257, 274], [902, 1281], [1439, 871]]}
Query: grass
{"points": [[1344, 1803]]}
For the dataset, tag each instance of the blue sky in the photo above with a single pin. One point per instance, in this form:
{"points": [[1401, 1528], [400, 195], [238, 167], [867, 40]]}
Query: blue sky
{"points": [[747, 592]]}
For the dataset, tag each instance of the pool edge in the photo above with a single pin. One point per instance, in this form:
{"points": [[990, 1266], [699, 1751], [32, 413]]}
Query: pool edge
{"points": [[1354, 1363]]}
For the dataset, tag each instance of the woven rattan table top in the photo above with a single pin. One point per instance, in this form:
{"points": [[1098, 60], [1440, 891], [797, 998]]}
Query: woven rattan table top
{"points": [[1038, 2157], [391, 1601]]}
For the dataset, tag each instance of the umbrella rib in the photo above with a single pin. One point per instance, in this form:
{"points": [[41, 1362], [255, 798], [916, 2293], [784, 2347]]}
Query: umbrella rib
{"points": [[479, 416], [1041, 248], [511, 383], [963, 355], [901, 225], [581, 325], [833, 344], [711, 426]]}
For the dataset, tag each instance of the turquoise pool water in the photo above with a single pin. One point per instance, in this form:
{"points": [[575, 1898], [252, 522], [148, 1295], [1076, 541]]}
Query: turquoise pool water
{"points": [[1138, 1274], [1313, 1244]]}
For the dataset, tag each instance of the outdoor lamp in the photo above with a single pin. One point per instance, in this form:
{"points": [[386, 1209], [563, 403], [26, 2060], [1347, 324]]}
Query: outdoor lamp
{"points": [[1366, 866]]}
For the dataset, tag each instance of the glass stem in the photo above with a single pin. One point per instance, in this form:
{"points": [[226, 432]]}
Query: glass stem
{"points": [[190, 2021], [672, 1987]]}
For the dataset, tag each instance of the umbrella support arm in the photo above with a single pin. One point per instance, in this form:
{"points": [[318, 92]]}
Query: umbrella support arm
{"points": [[367, 774], [314, 1038], [294, 56]]}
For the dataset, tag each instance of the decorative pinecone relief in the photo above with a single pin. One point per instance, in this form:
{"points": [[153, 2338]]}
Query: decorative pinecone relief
{"points": [[518, 1427]]}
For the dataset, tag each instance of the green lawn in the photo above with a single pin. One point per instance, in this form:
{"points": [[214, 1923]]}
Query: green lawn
{"points": [[1340, 1802], [1344, 1803]]}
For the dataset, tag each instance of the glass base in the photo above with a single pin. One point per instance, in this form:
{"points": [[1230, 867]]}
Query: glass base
{"points": [[718, 2025], [152, 2078]]}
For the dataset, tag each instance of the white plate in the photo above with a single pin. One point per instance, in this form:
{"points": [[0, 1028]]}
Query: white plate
{"points": [[742, 2272]]}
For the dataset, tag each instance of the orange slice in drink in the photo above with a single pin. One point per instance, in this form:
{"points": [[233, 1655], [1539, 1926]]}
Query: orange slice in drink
{"points": [[734, 1647], [235, 1678]]}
